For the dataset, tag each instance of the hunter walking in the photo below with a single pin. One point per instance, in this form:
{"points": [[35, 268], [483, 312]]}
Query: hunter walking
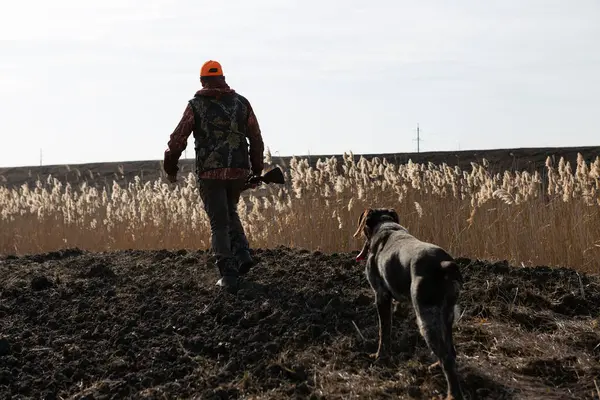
{"points": [[221, 121]]}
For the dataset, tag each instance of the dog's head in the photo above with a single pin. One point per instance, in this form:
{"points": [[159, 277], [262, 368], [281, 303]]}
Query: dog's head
{"points": [[369, 220]]}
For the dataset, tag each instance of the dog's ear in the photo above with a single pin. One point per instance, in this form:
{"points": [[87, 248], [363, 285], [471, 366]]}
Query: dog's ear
{"points": [[394, 215], [362, 221], [364, 251]]}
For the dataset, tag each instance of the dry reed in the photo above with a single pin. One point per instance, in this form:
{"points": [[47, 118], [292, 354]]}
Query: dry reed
{"points": [[522, 217]]}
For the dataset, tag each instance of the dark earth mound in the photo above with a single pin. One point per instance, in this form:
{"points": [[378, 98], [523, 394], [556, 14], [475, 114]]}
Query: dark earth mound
{"points": [[152, 324]]}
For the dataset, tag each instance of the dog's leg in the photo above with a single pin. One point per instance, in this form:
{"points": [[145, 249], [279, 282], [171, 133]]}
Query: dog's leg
{"points": [[434, 324], [383, 303], [449, 366], [449, 317], [384, 313]]}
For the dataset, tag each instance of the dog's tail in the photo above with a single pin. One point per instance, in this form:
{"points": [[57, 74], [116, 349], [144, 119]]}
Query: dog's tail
{"points": [[454, 282]]}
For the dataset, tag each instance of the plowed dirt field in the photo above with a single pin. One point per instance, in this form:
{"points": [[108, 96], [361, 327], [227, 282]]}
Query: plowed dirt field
{"points": [[152, 324]]}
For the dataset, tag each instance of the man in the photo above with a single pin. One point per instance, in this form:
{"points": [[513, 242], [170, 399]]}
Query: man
{"points": [[221, 120]]}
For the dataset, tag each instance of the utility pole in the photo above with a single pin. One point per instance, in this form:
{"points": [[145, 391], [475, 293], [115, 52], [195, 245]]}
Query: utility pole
{"points": [[40, 157], [418, 139]]}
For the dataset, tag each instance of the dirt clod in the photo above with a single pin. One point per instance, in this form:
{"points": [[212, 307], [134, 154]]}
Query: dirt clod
{"points": [[99, 270], [4, 347], [41, 283]]}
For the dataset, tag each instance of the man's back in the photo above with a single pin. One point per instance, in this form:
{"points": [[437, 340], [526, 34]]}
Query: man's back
{"points": [[218, 115], [220, 131]]}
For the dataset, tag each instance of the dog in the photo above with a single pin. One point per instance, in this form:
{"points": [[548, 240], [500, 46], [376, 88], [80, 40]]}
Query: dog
{"points": [[398, 265]]}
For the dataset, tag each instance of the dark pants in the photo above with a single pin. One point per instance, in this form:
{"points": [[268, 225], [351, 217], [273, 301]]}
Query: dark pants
{"points": [[228, 240]]}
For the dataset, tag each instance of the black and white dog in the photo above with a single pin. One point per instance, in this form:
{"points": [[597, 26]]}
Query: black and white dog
{"points": [[398, 265]]}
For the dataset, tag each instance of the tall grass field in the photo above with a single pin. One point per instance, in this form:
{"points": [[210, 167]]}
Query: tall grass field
{"points": [[526, 218]]}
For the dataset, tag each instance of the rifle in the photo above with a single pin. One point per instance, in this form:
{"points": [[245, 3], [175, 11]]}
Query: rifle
{"points": [[273, 176]]}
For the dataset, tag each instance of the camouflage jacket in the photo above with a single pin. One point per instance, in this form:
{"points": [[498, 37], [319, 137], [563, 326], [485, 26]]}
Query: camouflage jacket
{"points": [[220, 132], [221, 120]]}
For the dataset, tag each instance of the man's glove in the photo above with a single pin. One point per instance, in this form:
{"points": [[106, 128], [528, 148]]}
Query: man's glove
{"points": [[252, 181], [257, 172]]}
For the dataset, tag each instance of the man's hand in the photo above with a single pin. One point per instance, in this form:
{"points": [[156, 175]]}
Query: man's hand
{"points": [[250, 184], [172, 178]]}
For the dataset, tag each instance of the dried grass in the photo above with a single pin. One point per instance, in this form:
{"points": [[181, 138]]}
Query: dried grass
{"points": [[522, 217]]}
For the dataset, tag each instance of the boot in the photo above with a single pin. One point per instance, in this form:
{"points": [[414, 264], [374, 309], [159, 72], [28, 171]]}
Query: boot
{"points": [[245, 261], [229, 274], [229, 283]]}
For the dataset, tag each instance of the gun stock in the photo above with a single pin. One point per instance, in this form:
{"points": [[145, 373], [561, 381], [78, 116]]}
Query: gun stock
{"points": [[273, 176]]}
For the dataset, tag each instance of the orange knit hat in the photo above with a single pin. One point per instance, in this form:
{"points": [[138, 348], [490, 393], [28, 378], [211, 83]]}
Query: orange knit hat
{"points": [[211, 68]]}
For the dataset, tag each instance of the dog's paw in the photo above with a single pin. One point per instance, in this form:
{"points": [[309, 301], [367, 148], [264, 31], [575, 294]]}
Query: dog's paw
{"points": [[379, 357], [434, 365]]}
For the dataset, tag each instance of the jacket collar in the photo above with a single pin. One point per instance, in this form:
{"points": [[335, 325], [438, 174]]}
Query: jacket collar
{"points": [[215, 90]]}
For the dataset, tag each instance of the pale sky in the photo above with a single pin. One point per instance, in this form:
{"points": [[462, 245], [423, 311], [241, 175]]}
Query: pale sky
{"points": [[108, 81]]}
